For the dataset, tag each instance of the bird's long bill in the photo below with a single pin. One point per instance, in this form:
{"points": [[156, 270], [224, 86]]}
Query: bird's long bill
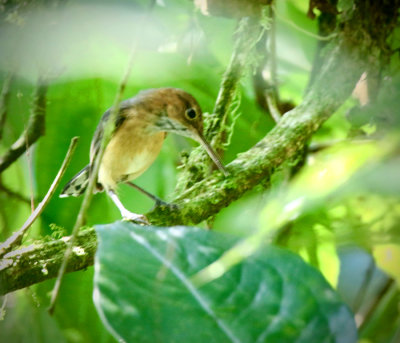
{"points": [[213, 155]]}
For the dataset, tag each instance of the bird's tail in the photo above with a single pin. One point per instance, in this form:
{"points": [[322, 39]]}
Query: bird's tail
{"points": [[77, 185]]}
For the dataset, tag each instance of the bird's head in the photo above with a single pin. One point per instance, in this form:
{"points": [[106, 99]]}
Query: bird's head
{"points": [[181, 114]]}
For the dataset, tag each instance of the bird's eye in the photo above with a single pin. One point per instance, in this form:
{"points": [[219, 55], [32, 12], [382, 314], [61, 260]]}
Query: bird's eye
{"points": [[191, 113]]}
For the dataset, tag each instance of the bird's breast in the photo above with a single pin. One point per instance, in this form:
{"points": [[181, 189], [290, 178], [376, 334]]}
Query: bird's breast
{"points": [[129, 153]]}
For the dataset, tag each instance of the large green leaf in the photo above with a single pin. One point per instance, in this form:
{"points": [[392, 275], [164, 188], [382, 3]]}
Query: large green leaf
{"points": [[144, 291]]}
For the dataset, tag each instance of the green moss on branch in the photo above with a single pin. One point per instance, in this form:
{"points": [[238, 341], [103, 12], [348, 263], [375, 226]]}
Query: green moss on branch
{"points": [[38, 262]]}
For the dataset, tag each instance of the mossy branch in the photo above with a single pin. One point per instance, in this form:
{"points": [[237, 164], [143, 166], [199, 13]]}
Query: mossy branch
{"points": [[248, 33], [38, 262]]}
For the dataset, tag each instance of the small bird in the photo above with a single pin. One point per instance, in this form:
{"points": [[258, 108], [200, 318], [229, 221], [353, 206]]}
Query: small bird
{"points": [[140, 129]]}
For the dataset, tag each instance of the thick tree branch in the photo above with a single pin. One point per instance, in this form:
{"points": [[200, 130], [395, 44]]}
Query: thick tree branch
{"points": [[38, 262], [35, 128]]}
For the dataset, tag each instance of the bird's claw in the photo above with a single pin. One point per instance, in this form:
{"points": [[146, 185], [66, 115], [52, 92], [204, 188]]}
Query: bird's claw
{"points": [[135, 218]]}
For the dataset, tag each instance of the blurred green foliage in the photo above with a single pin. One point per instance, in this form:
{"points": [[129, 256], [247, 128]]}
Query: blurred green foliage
{"points": [[348, 227]]}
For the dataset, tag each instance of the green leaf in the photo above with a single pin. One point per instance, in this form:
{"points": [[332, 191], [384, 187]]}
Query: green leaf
{"points": [[144, 291]]}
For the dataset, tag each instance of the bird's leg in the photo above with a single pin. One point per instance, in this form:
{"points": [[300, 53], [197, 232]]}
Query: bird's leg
{"points": [[156, 199], [127, 215]]}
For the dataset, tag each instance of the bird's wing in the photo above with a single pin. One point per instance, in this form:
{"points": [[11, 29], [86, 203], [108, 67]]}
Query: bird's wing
{"points": [[98, 134]]}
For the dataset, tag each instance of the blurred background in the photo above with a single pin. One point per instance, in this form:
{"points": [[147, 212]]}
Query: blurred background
{"points": [[349, 225]]}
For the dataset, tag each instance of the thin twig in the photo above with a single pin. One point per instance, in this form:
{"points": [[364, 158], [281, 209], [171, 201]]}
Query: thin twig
{"points": [[358, 299], [3, 307], [34, 130], [259, 82], [316, 147], [16, 238], [326, 26], [272, 106], [108, 130], [109, 126], [4, 97], [249, 32], [266, 88], [30, 174], [272, 62], [14, 194], [378, 300], [300, 29], [271, 94]]}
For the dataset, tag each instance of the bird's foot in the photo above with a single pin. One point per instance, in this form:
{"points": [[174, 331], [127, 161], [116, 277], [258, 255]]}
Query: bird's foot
{"points": [[135, 218]]}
